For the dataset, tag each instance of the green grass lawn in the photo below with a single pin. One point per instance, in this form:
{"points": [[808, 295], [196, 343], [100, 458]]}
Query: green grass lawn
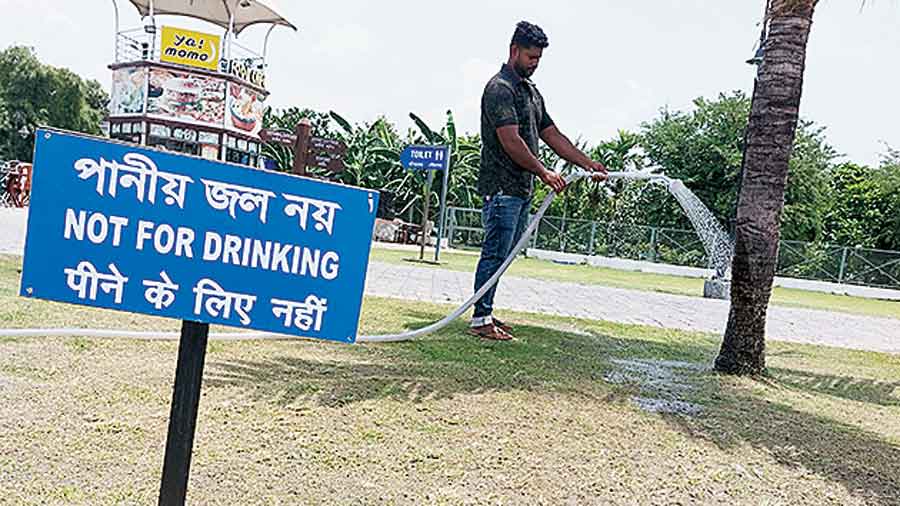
{"points": [[542, 269], [555, 417]]}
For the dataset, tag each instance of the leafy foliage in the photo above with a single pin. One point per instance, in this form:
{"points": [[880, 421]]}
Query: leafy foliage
{"points": [[704, 148], [373, 158], [826, 202], [844, 203], [33, 94], [888, 179]]}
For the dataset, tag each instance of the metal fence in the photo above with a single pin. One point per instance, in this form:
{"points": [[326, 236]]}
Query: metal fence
{"points": [[815, 261]]}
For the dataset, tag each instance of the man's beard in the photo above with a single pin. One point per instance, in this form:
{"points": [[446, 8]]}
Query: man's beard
{"points": [[524, 71]]}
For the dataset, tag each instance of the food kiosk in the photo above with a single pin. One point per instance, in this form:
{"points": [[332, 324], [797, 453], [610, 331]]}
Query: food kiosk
{"points": [[191, 91]]}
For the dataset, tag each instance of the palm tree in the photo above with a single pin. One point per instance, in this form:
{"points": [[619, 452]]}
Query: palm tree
{"points": [[770, 137]]}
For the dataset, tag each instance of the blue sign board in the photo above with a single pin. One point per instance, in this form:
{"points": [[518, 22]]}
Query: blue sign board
{"points": [[425, 157], [123, 227]]}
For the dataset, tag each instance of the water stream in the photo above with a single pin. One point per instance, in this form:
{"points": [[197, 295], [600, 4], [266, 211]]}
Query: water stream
{"points": [[716, 241]]}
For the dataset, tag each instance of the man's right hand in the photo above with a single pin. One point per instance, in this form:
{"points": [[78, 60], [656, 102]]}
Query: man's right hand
{"points": [[553, 180]]}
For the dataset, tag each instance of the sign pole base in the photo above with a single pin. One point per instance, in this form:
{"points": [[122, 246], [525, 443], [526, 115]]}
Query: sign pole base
{"points": [[183, 416]]}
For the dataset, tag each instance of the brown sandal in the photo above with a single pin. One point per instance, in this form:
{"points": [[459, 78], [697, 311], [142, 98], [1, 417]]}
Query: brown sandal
{"points": [[491, 332], [502, 326]]}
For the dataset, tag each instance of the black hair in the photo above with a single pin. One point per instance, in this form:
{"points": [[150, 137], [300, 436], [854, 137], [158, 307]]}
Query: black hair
{"points": [[528, 35]]}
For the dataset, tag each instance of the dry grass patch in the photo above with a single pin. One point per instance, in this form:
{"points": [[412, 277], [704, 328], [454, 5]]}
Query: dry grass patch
{"points": [[553, 418]]}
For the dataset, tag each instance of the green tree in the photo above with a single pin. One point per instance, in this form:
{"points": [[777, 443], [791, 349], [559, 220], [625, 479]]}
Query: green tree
{"points": [[5, 121], [627, 203], [858, 208], [808, 192], [596, 201], [33, 94], [888, 180], [372, 159], [704, 148]]}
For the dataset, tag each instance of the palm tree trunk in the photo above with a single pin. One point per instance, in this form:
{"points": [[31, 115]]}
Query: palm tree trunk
{"points": [[770, 138]]}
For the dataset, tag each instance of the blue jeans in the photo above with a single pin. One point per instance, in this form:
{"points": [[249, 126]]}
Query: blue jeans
{"points": [[505, 218]]}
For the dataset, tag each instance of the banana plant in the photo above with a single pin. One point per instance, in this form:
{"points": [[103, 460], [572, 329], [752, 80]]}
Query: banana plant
{"points": [[372, 160], [465, 156]]}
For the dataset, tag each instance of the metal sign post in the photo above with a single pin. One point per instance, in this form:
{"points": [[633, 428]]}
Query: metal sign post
{"points": [[429, 158], [442, 216], [426, 195]]}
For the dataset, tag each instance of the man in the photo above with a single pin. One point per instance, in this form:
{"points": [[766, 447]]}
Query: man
{"points": [[513, 118]]}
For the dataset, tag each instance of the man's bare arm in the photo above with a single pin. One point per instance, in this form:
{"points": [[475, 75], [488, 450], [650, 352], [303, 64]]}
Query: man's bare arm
{"points": [[516, 148], [569, 152]]}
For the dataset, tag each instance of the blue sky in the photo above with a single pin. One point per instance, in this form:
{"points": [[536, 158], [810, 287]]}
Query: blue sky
{"points": [[610, 65]]}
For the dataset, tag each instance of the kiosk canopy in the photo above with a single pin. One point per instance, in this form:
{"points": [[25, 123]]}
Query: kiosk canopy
{"points": [[219, 12]]}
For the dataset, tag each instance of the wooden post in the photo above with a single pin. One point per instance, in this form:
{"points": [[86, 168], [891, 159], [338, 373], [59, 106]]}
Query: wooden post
{"points": [[183, 416], [301, 147]]}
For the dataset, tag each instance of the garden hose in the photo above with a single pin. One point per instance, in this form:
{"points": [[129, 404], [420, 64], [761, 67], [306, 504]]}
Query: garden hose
{"points": [[404, 336], [523, 241]]}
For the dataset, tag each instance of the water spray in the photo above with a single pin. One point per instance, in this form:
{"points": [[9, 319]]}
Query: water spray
{"points": [[716, 242], [673, 185]]}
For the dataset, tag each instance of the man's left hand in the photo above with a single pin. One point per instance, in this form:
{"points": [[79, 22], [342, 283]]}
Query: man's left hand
{"points": [[599, 171]]}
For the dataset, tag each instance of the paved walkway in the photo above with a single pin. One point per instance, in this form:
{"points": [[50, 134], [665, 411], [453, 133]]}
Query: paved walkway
{"points": [[12, 230], [631, 306], [590, 301]]}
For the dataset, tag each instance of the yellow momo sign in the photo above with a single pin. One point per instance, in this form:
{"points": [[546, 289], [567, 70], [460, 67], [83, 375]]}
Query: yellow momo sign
{"points": [[187, 47]]}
